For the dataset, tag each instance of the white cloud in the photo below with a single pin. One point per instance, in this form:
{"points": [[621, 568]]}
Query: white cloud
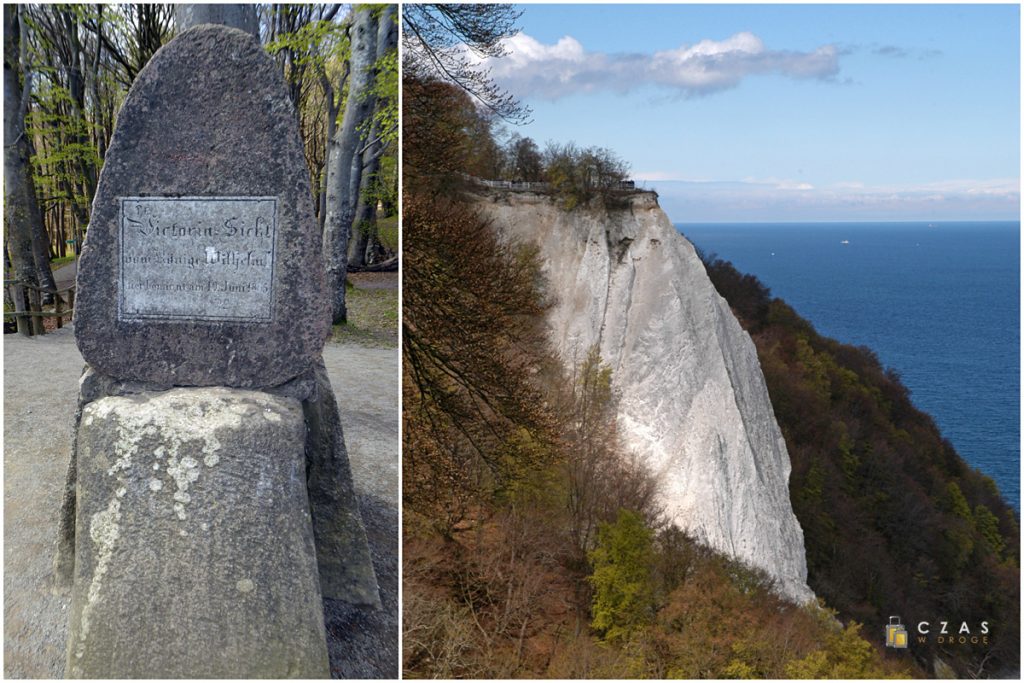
{"points": [[533, 68], [523, 50]]}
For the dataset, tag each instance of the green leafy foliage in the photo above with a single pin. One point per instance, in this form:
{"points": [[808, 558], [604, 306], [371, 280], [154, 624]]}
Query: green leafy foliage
{"points": [[987, 525], [385, 89], [845, 655], [312, 44], [623, 588], [956, 503]]}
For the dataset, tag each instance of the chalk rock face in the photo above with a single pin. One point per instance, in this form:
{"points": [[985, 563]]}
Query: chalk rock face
{"points": [[693, 399], [195, 555], [202, 263]]}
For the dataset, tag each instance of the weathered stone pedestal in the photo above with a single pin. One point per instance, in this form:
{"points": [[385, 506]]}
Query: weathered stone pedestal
{"points": [[194, 548], [212, 508]]}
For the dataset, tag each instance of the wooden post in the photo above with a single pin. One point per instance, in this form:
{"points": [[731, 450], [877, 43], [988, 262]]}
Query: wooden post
{"points": [[34, 306], [57, 301], [71, 299], [24, 322], [58, 226]]}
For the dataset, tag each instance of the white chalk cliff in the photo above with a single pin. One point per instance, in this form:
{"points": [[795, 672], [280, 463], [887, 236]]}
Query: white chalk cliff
{"points": [[693, 399]]}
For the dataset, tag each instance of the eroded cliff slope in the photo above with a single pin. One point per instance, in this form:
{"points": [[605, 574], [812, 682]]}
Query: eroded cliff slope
{"points": [[692, 396]]}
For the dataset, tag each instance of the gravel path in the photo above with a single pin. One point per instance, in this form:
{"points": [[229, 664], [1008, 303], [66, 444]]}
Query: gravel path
{"points": [[40, 390]]}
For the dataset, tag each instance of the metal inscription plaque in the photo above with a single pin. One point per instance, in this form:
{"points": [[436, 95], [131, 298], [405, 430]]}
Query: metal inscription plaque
{"points": [[197, 259]]}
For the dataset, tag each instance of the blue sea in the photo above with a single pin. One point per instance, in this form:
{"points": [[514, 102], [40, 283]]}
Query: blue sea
{"points": [[938, 302]]}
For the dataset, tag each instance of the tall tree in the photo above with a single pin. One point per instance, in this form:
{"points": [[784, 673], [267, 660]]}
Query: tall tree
{"points": [[332, 97], [375, 147], [310, 48], [129, 35], [623, 589], [524, 161], [344, 167], [62, 47], [21, 211], [282, 22]]}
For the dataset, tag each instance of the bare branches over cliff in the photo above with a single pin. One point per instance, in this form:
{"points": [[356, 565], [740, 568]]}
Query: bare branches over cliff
{"points": [[447, 42], [472, 338]]}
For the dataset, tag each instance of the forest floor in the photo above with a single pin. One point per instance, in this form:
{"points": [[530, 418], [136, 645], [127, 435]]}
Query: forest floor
{"points": [[40, 391], [372, 303]]}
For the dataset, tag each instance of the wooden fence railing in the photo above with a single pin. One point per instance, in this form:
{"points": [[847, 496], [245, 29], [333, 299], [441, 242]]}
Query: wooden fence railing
{"points": [[523, 186], [28, 308]]}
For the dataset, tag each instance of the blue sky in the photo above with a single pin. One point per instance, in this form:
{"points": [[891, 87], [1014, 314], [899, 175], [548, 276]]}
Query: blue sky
{"points": [[786, 112]]}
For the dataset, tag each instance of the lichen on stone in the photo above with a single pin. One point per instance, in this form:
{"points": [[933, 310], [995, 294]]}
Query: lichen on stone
{"points": [[104, 530], [179, 510]]}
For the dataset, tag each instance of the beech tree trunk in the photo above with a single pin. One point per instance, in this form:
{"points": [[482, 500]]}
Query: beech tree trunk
{"points": [[40, 243], [366, 211], [365, 216], [236, 16], [344, 169], [332, 127]]}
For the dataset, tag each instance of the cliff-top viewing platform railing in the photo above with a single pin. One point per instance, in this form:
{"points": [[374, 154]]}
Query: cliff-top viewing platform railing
{"points": [[523, 186]]}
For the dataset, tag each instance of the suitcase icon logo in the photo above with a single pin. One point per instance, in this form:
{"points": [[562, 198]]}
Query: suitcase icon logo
{"points": [[896, 634]]}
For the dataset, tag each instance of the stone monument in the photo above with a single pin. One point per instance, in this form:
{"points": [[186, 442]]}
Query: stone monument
{"points": [[209, 504]]}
